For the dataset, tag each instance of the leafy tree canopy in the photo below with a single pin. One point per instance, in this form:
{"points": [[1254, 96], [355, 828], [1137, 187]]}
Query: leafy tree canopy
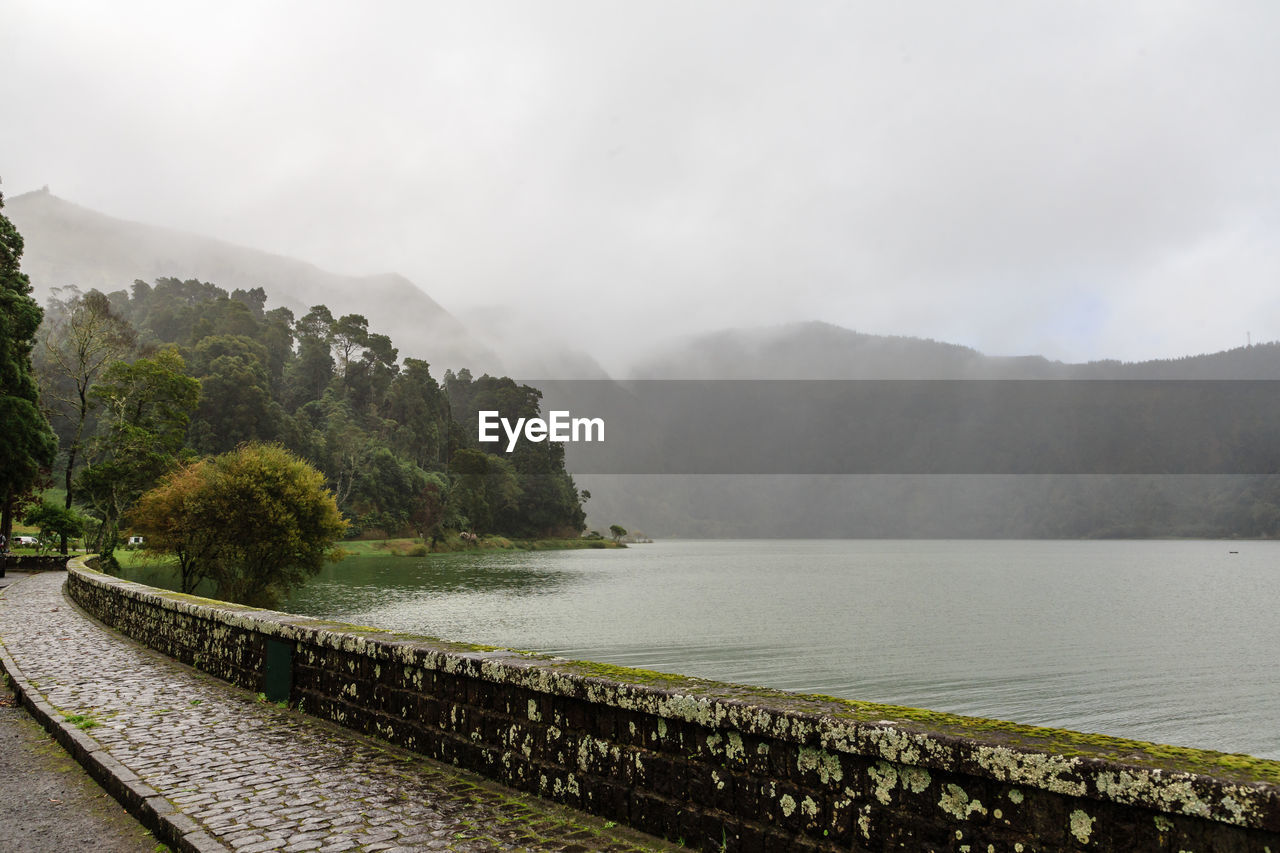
{"points": [[392, 443], [146, 409], [257, 521], [54, 521]]}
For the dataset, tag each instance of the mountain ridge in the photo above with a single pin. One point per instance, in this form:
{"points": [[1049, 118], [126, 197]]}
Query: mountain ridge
{"points": [[69, 244], [816, 349]]}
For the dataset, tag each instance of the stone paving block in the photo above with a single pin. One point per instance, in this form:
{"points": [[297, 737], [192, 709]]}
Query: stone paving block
{"points": [[240, 840], [233, 773], [270, 844]]}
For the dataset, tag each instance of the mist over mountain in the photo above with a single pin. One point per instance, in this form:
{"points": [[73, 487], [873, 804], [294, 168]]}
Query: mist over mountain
{"points": [[529, 350], [67, 244], [818, 350], [813, 350], [926, 506]]}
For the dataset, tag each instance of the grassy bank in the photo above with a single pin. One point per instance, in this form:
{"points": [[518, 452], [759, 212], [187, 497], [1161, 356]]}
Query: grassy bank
{"points": [[138, 559]]}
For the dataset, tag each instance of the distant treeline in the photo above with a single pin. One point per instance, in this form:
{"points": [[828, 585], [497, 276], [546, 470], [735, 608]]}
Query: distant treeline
{"points": [[387, 436], [945, 507], [928, 427]]}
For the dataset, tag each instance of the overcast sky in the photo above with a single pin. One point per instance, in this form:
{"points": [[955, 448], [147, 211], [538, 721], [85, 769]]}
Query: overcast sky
{"points": [[1082, 180]]}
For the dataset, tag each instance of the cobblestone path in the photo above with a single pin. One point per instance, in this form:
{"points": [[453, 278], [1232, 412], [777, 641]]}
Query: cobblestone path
{"points": [[252, 776]]}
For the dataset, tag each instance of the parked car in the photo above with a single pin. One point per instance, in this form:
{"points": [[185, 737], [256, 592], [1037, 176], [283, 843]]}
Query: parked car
{"points": [[26, 540]]}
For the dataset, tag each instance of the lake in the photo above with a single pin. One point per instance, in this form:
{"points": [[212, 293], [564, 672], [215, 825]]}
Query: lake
{"points": [[1169, 641]]}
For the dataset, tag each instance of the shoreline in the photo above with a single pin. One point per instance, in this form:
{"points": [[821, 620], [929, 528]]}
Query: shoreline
{"points": [[453, 545]]}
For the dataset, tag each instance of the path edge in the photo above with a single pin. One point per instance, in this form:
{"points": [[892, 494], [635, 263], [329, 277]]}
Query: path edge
{"points": [[143, 802]]}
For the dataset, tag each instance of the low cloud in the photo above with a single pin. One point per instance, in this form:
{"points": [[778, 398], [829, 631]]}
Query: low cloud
{"points": [[1085, 181]]}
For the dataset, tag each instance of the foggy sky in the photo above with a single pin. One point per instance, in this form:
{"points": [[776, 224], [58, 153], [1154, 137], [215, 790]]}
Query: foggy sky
{"points": [[1082, 180]]}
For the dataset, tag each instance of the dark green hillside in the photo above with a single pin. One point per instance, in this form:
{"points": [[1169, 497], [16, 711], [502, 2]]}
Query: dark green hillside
{"points": [[387, 435]]}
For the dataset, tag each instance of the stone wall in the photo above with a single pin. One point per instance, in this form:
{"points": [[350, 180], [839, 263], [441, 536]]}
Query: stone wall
{"points": [[32, 562], [717, 766]]}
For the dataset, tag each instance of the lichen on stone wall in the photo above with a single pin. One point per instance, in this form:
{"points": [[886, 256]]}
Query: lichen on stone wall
{"points": [[825, 764], [1081, 825], [955, 801], [884, 777]]}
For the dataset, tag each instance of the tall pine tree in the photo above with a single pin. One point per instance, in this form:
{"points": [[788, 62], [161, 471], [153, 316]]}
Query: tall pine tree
{"points": [[28, 442]]}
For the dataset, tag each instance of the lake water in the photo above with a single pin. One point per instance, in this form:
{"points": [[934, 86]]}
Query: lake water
{"points": [[1171, 641]]}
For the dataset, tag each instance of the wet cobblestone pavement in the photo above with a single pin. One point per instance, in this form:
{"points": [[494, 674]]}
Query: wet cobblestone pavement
{"points": [[243, 775]]}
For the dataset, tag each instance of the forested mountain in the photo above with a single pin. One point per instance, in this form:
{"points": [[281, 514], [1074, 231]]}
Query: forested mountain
{"points": [[140, 379], [72, 245]]}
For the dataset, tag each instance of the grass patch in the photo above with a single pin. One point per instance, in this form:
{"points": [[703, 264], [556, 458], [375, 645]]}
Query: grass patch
{"points": [[137, 558], [84, 722]]}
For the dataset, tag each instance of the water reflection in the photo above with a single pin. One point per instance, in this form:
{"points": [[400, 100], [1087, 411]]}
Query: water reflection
{"points": [[446, 573], [427, 595]]}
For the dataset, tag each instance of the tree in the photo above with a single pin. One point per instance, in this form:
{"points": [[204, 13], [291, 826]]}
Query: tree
{"points": [[307, 376], [345, 448], [415, 404], [366, 382], [153, 394], [28, 443], [386, 490], [257, 521], [235, 396], [147, 407], [350, 334], [427, 513], [255, 300], [54, 521], [316, 323], [618, 532], [485, 490], [167, 517], [85, 336], [277, 337]]}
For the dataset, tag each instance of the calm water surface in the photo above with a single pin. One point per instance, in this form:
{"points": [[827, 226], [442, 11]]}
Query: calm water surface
{"points": [[1174, 642]]}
